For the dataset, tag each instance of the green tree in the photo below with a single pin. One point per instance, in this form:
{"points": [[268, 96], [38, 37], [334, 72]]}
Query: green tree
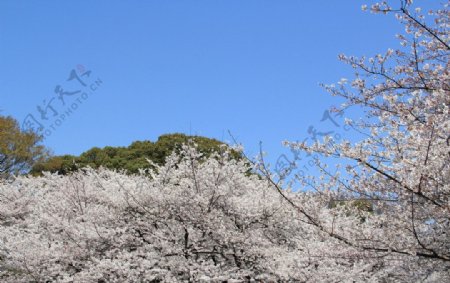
{"points": [[62, 164], [131, 158], [19, 150]]}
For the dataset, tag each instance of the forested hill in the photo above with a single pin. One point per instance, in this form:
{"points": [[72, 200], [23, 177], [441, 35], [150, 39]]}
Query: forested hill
{"points": [[131, 158]]}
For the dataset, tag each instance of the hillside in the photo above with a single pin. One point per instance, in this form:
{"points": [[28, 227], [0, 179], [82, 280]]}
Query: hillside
{"points": [[131, 158]]}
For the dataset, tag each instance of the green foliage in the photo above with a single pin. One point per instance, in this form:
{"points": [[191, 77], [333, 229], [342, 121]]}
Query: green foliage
{"points": [[131, 158], [62, 164], [19, 150]]}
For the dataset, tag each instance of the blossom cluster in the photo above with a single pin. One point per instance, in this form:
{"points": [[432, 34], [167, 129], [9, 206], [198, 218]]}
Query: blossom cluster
{"points": [[194, 219]]}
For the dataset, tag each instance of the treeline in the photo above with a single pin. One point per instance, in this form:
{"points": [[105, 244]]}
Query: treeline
{"points": [[131, 158]]}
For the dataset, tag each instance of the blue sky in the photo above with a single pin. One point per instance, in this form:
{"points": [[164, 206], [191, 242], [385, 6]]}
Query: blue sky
{"points": [[196, 67]]}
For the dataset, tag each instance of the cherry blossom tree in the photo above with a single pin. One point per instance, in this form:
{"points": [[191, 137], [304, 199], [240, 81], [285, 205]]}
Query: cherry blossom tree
{"points": [[401, 166], [196, 219]]}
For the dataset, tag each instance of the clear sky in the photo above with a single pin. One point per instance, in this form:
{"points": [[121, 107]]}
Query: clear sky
{"points": [[196, 67]]}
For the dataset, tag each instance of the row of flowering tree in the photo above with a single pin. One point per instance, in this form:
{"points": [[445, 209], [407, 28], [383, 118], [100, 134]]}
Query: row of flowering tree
{"points": [[199, 220], [382, 216], [195, 220]]}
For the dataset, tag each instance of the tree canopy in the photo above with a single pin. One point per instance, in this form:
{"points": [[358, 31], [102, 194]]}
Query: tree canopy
{"points": [[19, 149], [131, 158]]}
